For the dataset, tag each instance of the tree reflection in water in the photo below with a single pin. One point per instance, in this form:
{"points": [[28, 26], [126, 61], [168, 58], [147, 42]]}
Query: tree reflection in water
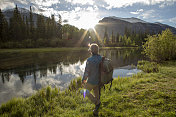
{"points": [[24, 73], [31, 63]]}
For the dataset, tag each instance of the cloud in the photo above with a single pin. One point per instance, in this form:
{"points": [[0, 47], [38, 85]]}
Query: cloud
{"points": [[137, 12], [77, 8], [82, 2], [25, 2], [49, 11], [148, 14], [125, 3], [160, 20], [45, 3], [173, 20], [167, 3], [81, 17], [6, 4]]}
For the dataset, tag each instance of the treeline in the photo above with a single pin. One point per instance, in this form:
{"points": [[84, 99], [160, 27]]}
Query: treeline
{"points": [[129, 38], [23, 32], [161, 47]]}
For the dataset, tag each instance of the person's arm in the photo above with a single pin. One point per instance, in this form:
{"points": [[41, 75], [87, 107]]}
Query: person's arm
{"points": [[86, 72]]}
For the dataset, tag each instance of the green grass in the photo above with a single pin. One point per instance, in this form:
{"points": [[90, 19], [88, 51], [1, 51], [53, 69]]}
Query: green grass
{"points": [[41, 50], [147, 66], [24, 50], [144, 94]]}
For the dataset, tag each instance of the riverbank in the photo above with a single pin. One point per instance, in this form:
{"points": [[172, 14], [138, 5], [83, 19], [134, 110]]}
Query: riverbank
{"points": [[144, 94], [26, 50], [40, 50]]}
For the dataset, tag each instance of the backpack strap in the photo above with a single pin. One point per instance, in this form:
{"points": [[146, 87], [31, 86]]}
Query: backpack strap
{"points": [[110, 85], [100, 69]]}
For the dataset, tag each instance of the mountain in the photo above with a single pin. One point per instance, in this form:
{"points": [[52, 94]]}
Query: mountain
{"points": [[24, 12], [118, 25], [112, 23], [131, 20]]}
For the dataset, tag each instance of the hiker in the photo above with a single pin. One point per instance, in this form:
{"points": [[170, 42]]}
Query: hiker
{"points": [[91, 76]]}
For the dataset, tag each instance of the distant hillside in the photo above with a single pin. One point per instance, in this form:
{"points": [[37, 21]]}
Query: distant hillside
{"points": [[118, 25], [115, 24], [24, 12]]}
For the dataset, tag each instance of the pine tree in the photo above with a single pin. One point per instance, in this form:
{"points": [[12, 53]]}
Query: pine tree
{"points": [[3, 28], [48, 28], [53, 26], [27, 28], [127, 32], [117, 37], [106, 38], [23, 26], [31, 27], [112, 37], [41, 33], [16, 31], [60, 20], [59, 28]]}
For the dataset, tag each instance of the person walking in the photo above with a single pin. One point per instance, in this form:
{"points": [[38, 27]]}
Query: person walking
{"points": [[91, 76]]}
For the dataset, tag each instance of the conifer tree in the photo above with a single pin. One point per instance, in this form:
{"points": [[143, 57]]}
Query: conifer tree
{"points": [[3, 28], [117, 37], [41, 27], [112, 37], [16, 31], [59, 26], [127, 32], [31, 28], [27, 28], [23, 26], [106, 38], [53, 27], [48, 29]]}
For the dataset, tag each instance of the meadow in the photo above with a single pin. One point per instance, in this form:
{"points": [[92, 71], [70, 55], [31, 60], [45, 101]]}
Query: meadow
{"points": [[144, 94]]}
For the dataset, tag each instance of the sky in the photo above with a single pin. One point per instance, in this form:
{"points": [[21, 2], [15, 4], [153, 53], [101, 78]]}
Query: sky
{"points": [[86, 13]]}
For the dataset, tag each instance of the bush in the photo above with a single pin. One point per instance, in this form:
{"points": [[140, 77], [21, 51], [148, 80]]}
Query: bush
{"points": [[147, 66], [75, 84], [161, 47], [48, 93]]}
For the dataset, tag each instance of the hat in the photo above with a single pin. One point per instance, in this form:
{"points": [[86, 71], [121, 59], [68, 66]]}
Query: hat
{"points": [[93, 48]]}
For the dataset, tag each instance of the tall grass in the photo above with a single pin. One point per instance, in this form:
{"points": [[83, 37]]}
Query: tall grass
{"points": [[147, 66]]}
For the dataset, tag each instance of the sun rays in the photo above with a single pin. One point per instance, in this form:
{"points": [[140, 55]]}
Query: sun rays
{"points": [[100, 41]]}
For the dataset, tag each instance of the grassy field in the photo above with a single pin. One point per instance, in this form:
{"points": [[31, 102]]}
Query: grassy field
{"points": [[144, 94], [40, 50]]}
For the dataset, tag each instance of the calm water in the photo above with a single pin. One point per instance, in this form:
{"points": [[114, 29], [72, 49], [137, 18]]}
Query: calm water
{"points": [[22, 74]]}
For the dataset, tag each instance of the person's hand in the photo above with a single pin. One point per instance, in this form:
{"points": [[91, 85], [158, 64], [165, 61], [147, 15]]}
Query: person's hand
{"points": [[83, 83]]}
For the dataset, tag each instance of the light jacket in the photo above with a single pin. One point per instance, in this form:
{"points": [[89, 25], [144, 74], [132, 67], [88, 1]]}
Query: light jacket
{"points": [[92, 69]]}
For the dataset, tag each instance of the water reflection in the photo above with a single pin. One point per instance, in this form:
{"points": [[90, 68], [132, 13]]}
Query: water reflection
{"points": [[24, 73]]}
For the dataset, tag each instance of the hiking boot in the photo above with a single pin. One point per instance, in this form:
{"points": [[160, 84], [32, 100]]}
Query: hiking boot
{"points": [[95, 111], [97, 106]]}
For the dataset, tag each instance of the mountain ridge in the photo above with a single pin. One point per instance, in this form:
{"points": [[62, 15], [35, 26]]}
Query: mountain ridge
{"points": [[112, 23], [119, 25]]}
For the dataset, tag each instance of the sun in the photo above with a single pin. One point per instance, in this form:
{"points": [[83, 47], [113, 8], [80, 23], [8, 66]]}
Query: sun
{"points": [[87, 21]]}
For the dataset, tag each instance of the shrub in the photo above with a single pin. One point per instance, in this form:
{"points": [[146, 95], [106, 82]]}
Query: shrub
{"points": [[75, 84], [161, 47], [147, 66], [48, 93]]}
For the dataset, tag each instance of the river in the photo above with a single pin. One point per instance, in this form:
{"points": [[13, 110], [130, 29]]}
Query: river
{"points": [[22, 74]]}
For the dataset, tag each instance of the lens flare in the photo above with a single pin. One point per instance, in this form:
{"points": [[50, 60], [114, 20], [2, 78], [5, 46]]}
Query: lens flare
{"points": [[84, 92]]}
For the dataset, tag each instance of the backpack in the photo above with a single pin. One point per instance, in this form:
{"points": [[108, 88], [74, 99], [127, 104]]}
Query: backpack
{"points": [[106, 72]]}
